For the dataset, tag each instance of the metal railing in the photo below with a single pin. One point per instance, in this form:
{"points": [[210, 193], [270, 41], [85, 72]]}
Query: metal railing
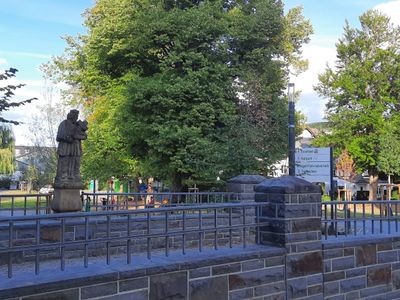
{"points": [[121, 201], [24, 204], [360, 218], [30, 204], [128, 232]]}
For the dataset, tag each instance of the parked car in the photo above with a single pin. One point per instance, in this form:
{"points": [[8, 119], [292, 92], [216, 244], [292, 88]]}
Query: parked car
{"points": [[47, 189]]}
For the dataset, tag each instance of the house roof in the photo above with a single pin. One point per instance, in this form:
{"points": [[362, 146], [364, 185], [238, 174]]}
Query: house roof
{"points": [[313, 131]]}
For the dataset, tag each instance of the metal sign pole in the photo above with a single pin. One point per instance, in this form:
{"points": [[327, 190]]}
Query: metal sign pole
{"points": [[292, 134], [331, 191]]}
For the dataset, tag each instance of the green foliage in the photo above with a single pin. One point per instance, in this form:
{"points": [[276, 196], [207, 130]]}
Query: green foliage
{"points": [[7, 142], [321, 126], [300, 122], [42, 166], [389, 154], [182, 90], [363, 89], [105, 152]]}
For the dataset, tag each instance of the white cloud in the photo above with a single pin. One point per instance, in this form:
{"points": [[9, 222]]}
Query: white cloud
{"points": [[312, 106], [318, 57], [392, 9], [20, 133], [3, 61], [27, 54]]}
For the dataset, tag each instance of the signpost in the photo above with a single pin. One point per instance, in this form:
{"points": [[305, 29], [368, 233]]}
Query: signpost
{"points": [[315, 165]]}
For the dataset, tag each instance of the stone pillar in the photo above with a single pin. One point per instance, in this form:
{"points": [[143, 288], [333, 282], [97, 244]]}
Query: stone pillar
{"points": [[293, 217], [244, 185], [67, 200]]}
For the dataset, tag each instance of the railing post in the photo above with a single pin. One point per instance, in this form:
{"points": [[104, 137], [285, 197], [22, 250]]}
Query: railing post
{"points": [[293, 215]]}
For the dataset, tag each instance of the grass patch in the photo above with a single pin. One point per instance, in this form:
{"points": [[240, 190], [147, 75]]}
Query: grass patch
{"points": [[357, 211], [21, 199]]}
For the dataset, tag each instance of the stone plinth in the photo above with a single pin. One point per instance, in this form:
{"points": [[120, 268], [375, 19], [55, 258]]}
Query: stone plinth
{"points": [[66, 200], [293, 220]]}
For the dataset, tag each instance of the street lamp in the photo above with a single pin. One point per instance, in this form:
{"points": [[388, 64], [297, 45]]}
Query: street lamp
{"points": [[291, 127]]}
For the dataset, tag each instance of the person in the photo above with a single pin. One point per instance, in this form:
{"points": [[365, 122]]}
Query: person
{"points": [[104, 202], [87, 204], [69, 136]]}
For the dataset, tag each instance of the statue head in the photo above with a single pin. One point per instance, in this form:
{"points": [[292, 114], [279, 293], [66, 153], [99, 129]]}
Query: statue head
{"points": [[73, 115]]}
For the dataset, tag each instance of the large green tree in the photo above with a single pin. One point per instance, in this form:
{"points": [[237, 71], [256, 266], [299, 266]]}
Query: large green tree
{"points": [[389, 154], [170, 86], [363, 89]]}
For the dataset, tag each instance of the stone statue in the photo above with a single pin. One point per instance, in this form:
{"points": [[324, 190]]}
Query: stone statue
{"points": [[69, 136], [67, 183]]}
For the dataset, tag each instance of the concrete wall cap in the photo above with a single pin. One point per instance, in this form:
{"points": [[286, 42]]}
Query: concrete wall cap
{"points": [[287, 185], [247, 179]]}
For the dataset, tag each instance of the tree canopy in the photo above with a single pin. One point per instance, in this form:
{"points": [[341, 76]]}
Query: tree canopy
{"points": [[363, 89], [182, 90]]}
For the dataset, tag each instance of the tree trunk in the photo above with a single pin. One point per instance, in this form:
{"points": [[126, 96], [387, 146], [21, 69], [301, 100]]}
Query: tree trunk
{"points": [[177, 183], [389, 190], [373, 184]]}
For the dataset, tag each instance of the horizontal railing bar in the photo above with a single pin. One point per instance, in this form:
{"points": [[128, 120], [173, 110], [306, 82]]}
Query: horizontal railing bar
{"points": [[130, 212], [120, 218], [124, 238], [23, 195], [158, 193]]}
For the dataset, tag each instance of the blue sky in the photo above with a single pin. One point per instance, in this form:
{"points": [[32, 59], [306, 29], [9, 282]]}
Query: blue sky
{"points": [[31, 31]]}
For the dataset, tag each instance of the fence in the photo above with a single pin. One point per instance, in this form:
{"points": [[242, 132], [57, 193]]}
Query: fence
{"points": [[339, 218], [343, 218], [65, 236], [117, 201], [25, 204], [31, 204]]}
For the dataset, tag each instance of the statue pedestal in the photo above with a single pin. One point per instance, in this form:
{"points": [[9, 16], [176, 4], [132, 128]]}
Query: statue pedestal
{"points": [[66, 200]]}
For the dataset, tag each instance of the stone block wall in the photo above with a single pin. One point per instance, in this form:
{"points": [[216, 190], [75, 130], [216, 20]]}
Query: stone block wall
{"points": [[362, 268], [256, 273]]}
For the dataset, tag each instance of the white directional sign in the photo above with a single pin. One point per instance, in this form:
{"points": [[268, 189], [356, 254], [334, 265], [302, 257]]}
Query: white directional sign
{"points": [[313, 164]]}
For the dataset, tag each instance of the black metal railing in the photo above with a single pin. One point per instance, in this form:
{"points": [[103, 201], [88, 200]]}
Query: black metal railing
{"points": [[24, 204], [36, 204], [360, 218], [121, 201], [60, 237]]}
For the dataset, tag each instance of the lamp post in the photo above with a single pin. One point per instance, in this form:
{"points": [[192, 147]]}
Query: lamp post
{"points": [[291, 127]]}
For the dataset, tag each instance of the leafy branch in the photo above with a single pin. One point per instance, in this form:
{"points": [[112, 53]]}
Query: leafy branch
{"points": [[6, 94]]}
